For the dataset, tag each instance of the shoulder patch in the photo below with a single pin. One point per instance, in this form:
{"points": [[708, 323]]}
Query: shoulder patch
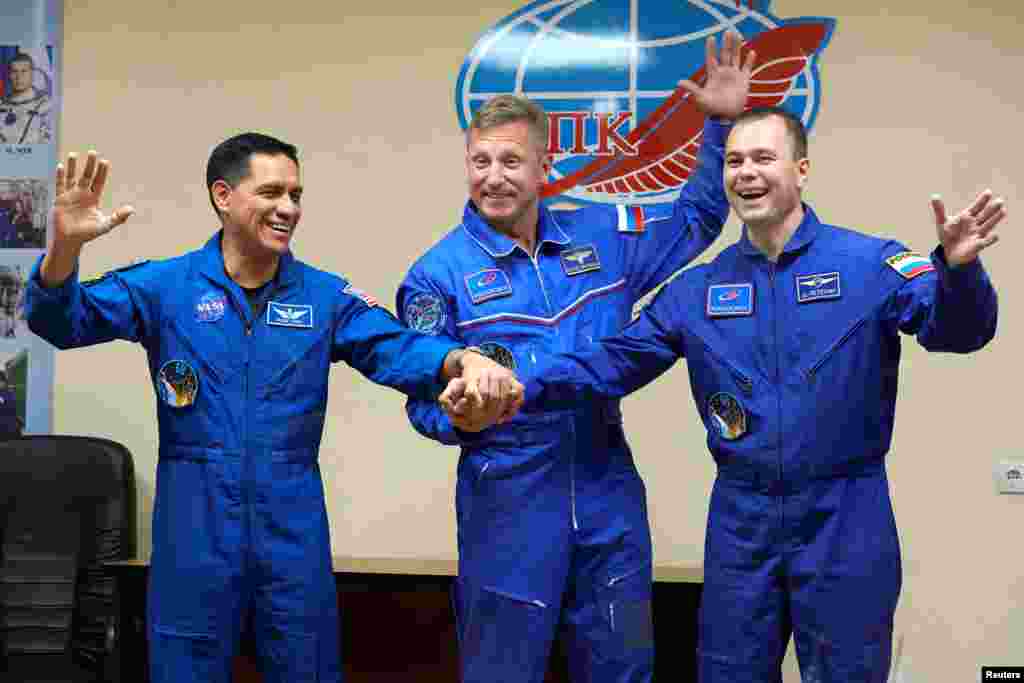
{"points": [[88, 282], [910, 265], [425, 313], [631, 218], [637, 219], [361, 295]]}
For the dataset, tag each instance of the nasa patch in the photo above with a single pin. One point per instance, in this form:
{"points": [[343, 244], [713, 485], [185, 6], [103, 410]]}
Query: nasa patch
{"points": [[726, 413], [499, 354], [211, 307], [818, 286], [425, 313]]}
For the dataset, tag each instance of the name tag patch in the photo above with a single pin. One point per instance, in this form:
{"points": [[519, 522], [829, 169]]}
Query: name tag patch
{"points": [[818, 286], [289, 315], [488, 284], [580, 260], [730, 300]]}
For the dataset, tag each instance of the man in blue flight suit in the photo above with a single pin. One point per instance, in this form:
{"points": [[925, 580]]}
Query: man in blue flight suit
{"points": [[551, 512], [792, 343], [240, 337]]}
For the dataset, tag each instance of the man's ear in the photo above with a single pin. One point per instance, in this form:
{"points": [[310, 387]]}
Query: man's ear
{"points": [[221, 193], [803, 168]]}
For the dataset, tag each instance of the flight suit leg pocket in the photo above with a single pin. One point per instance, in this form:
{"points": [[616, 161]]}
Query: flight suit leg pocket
{"points": [[505, 636]]}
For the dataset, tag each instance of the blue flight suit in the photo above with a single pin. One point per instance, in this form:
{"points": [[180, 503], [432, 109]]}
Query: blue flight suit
{"points": [[239, 523], [551, 512], [793, 366]]}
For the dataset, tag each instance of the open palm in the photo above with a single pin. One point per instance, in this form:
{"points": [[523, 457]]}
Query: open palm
{"points": [[76, 214], [966, 234], [724, 92]]}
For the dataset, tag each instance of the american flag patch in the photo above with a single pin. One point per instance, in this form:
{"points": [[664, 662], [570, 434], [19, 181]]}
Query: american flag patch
{"points": [[910, 265], [361, 295]]}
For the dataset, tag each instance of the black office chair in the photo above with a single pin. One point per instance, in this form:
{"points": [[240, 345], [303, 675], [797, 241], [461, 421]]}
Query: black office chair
{"points": [[67, 505]]}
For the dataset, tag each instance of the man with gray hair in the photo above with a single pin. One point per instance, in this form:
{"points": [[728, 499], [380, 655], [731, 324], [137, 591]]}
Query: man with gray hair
{"points": [[551, 512]]}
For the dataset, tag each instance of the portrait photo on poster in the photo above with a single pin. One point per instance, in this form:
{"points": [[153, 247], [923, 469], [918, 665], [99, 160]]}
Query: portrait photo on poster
{"points": [[23, 210], [26, 95], [13, 390], [13, 279]]}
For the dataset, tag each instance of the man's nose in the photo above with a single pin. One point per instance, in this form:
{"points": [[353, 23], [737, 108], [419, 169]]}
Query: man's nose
{"points": [[287, 206], [495, 175]]}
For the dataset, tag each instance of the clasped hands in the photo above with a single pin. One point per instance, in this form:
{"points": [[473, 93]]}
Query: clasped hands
{"points": [[484, 394]]}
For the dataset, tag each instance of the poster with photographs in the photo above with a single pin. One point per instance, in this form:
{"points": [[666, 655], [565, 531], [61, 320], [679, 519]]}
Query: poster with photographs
{"points": [[30, 106], [24, 205]]}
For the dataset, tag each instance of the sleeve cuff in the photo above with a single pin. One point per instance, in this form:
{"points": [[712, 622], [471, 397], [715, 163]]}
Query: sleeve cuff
{"points": [[952, 277], [716, 130], [61, 292]]}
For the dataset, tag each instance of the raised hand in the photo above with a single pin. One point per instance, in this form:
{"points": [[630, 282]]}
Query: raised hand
{"points": [[725, 88], [964, 235], [77, 218]]}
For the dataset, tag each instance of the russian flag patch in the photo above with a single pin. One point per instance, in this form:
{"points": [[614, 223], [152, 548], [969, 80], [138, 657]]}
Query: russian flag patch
{"points": [[631, 218], [910, 265]]}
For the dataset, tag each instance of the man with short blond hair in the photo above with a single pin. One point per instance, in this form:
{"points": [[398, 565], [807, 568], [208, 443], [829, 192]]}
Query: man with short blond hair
{"points": [[551, 511]]}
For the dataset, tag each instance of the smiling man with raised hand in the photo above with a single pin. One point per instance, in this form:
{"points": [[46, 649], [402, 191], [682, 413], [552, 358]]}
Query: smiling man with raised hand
{"points": [[240, 337], [792, 342], [551, 511]]}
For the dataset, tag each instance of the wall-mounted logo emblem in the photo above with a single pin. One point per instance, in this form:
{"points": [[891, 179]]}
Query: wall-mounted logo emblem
{"points": [[607, 71]]}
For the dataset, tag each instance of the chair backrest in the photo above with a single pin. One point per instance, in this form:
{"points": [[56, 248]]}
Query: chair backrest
{"points": [[67, 505]]}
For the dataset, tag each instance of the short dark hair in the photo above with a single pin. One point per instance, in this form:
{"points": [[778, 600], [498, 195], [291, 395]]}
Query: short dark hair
{"points": [[22, 57], [229, 161], [794, 126]]}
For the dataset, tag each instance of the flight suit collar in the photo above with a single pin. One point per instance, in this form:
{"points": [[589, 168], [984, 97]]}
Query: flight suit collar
{"points": [[498, 244], [211, 265], [805, 233]]}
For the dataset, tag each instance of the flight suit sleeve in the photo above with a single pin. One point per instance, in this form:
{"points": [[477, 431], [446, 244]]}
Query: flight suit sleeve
{"points": [[612, 367], [423, 306], [374, 342], [948, 309], [660, 239], [76, 314]]}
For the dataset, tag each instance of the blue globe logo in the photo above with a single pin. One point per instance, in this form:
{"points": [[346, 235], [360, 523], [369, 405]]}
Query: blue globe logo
{"points": [[606, 72]]}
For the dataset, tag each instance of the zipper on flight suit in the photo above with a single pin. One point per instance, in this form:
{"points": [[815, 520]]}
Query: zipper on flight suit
{"points": [[812, 371], [745, 383], [248, 322], [572, 459], [778, 388]]}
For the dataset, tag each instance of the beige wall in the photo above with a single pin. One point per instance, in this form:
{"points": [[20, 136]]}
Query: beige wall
{"points": [[918, 98]]}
